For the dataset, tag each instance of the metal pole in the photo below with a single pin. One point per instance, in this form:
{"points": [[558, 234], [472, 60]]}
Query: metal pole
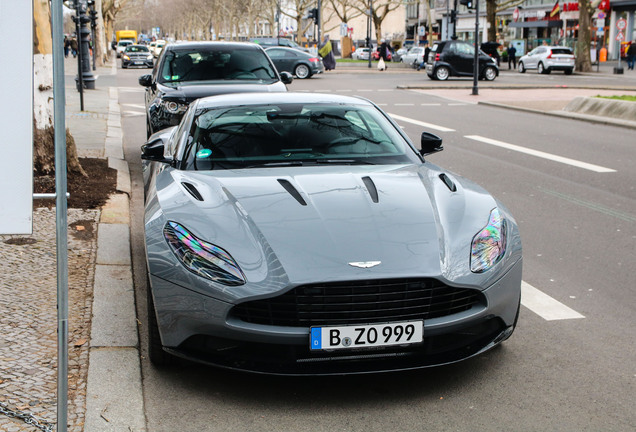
{"points": [[59, 99], [448, 23], [370, 30], [476, 59], [80, 81]]}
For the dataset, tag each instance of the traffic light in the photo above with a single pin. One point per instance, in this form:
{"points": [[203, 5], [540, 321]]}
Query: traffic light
{"points": [[470, 4], [453, 16], [313, 14]]}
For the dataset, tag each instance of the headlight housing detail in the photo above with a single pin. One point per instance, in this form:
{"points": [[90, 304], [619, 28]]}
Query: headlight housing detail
{"points": [[489, 244], [174, 107], [202, 258]]}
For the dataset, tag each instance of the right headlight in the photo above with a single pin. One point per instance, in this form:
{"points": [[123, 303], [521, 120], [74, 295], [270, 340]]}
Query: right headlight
{"points": [[202, 258], [489, 244], [174, 107]]}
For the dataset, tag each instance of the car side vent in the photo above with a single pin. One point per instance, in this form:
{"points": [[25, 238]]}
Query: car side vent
{"points": [[448, 182], [192, 190], [373, 191], [292, 191]]}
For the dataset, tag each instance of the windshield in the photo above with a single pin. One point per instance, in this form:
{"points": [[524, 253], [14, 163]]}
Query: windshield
{"points": [[136, 48], [293, 134], [216, 64]]}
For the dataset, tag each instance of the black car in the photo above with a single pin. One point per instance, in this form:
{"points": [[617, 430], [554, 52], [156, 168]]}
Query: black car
{"points": [[189, 71], [456, 58], [137, 55], [296, 62], [266, 42]]}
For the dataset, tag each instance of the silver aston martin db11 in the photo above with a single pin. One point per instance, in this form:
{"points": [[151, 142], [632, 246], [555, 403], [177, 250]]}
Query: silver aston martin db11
{"points": [[304, 234]]}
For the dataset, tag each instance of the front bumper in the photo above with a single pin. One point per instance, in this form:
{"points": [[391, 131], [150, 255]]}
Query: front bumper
{"points": [[202, 329]]}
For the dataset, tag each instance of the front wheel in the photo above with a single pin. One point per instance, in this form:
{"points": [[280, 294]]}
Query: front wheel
{"points": [[157, 355], [521, 68], [302, 71], [490, 73], [442, 73]]}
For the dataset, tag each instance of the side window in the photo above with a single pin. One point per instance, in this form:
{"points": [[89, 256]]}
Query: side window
{"points": [[275, 53], [182, 134]]}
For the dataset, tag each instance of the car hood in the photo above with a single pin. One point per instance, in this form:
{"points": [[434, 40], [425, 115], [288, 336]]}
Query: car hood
{"points": [[301, 225], [189, 92]]}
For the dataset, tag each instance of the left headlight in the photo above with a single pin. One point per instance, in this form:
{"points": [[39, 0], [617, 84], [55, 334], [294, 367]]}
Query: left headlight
{"points": [[202, 258], [149, 57], [174, 107], [126, 57], [489, 244]]}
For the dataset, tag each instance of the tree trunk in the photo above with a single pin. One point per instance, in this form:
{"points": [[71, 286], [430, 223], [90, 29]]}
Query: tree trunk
{"points": [[43, 137], [583, 59], [491, 18]]}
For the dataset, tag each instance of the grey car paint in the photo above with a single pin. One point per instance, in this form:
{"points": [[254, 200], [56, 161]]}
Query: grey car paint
{"points": [[418, 228]]}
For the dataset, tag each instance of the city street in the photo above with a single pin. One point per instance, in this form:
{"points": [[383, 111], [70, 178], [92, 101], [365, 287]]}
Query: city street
{"points": [[569, 365]]}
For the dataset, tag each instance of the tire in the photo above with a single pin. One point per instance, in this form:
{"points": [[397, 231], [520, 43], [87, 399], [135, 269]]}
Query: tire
{"points": [[442, 73], [156, 354], [489, 73], [541, 69], [302, 71], [568, 71], [123, 66], [521, 68]]}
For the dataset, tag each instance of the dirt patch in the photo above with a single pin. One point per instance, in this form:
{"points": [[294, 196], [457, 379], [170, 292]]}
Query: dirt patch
{"points": [[90, 192]]}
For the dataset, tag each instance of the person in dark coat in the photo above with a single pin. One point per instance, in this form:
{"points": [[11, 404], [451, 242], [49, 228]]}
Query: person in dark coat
{"points": [[512, 56], [325, 50], [74, 46], [631, 55]]}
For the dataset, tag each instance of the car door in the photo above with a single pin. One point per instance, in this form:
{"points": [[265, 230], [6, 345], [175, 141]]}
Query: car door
{"points": [[281, 59], [532, 59], [465, 58]]}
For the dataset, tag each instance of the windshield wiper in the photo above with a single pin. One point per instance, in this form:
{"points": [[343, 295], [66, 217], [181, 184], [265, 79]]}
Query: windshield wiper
{"points": [[276, 164], [344, 161]]}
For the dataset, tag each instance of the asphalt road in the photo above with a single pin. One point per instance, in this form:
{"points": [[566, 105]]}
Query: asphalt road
{"points": [[569, 367]]}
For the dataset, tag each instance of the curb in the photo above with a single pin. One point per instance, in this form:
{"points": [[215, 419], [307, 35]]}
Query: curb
{"points": [[114, 397]]}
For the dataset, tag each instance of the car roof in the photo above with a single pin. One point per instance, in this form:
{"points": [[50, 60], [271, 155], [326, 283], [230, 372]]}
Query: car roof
{"points": [[215, 44], [260, 98]]}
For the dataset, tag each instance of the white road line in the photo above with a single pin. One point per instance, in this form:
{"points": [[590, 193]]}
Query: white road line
{"points": [[431, 104], [138, 106], [404, 104], [420, 123], [545, 306], [549, 156], [133, 113], [364, 90], [385, 90], [457, 104]]}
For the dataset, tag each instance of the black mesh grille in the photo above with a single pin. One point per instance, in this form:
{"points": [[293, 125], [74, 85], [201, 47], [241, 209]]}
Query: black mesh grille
{"points": [[358, 302]]}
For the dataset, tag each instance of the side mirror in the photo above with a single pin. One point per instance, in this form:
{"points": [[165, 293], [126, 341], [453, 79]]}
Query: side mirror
{"points": [[286, 77], [145, 80], [430, 143], [153, 151]]}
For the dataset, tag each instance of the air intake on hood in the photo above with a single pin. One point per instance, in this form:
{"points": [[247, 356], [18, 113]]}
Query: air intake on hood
{"points": [[373, 191], [292, 191], [448, 182], [192, 190]]}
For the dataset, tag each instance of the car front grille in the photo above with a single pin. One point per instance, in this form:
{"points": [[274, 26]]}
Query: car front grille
{"points": [[356, 302]]}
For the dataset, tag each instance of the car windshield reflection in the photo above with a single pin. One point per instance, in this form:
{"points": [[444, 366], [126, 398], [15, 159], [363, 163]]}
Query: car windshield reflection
{"points": [[293, 135]]}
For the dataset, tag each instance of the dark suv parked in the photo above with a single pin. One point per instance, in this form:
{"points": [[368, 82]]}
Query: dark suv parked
{"points": [[188, 71], [456, 58]]}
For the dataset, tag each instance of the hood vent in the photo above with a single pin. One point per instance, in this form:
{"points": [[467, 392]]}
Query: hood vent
{"points": [[373, 191], [192, 190], [448, 182], [292, 191]]}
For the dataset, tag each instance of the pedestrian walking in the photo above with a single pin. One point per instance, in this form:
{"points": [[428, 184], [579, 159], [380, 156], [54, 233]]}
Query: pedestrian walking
{"points": [[427, 50], [67, 46], [325, 51], [512, 57], [74, 46], [631, 56]]}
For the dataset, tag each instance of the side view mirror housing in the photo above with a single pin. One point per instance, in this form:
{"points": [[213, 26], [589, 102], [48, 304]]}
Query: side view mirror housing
{"points": [[285, 77], [430, 143], [153, 151], [145, 80]]}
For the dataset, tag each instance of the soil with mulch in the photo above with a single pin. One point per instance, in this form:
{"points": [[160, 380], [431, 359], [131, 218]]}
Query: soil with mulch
{"points": [[90, 192]]}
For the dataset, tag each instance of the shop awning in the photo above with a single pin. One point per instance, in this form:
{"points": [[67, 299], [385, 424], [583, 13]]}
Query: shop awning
{"points": [[533, 24]]}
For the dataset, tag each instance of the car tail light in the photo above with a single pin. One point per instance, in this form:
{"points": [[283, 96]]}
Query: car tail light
{"points": [[437, 57], [314, 60], [549, 55]]}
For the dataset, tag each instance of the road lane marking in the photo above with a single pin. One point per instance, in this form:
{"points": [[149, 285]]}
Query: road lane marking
{"points": [[404, 104], [133, 113], [420, 123], [545, 306], [540, 154], [138, 106], [431, 104]]}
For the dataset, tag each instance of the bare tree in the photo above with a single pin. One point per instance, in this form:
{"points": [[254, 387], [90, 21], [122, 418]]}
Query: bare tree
{"points": [[43, 133], [492, 8], [381, 8]]}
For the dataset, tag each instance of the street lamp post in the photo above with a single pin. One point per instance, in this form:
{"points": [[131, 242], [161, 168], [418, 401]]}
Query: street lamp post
{"points": [[84, 79], [476, 59], [93, 17], [369, 30]]}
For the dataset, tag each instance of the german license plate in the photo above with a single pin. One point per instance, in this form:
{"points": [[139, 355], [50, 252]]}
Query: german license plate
{"points": [[366, 336]]}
